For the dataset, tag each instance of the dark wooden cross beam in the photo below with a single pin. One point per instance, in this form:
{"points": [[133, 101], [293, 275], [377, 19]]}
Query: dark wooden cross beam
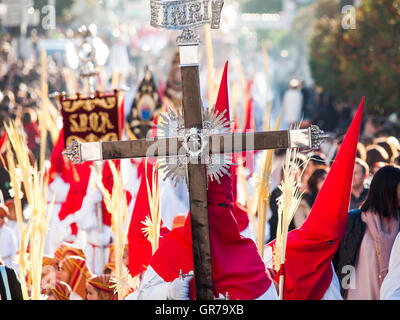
{"points": [[196, 171], [219, 143]]}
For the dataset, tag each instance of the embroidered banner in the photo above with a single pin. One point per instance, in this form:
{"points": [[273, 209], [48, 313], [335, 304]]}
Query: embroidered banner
{"points": [[90, 119]]}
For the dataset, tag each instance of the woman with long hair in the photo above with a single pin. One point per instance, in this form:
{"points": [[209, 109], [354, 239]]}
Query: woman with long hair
{"points": [[362, 260], [314, 184]]}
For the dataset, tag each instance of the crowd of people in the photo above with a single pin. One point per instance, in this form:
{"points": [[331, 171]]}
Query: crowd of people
{"points": [[372, 224], [65, 276]]}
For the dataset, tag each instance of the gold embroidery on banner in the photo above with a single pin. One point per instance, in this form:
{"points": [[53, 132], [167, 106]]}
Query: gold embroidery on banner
{"points": [[89, 104], [95, 122]]}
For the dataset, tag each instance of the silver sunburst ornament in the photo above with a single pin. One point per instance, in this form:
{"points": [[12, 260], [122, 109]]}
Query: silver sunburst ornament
{"points": [[195, 145]]}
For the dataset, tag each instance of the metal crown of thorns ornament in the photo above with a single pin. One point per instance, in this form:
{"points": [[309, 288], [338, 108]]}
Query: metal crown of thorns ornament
{"points": [[195, 143]]}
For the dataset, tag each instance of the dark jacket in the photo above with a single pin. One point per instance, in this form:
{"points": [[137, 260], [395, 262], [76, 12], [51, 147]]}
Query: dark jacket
{"points": [[14, 284], [350, 245], [273, 221], [355, 202]]}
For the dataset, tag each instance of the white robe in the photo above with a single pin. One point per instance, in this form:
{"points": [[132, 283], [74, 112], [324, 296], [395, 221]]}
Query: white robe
{"points": [[153, 287], [173, 200], [390, 289], [130, 180], [94, 239], [8, 246], [58, 231], [119, 59], [13, 225], [291, 104]]}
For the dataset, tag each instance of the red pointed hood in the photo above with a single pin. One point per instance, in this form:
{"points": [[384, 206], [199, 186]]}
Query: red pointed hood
{"points": [[237, 267], [222, 104], [140, 251], [76, 175], [249, 126], [108, 182], [311, 248], [59, 165], [77, 191]]}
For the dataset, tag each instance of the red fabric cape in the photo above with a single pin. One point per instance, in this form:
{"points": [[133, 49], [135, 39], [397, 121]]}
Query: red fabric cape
{"points": [[140, 250], [311, 248], [237, 268]]}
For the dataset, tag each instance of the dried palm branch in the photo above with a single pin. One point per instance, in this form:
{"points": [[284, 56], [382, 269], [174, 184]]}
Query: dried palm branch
{"points": [[153, 229], [118, 207], [261, 199], [21, 152], [34, 232], [38, 222], [288, 203]]}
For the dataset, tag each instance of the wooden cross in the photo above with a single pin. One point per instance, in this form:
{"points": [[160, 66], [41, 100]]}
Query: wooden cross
{"points": [[196, 172]]}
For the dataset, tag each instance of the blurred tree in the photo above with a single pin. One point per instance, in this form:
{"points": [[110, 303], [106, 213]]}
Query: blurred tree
{"points": [[324, 62], [296, 40], [260, 6], [361, 61]]}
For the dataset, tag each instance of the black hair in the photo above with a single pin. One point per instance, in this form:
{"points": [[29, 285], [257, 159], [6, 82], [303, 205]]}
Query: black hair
{"points": [[382, 193], [26, 118], [317, 175], [318, 159], [363, 165], [376, 153]]}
